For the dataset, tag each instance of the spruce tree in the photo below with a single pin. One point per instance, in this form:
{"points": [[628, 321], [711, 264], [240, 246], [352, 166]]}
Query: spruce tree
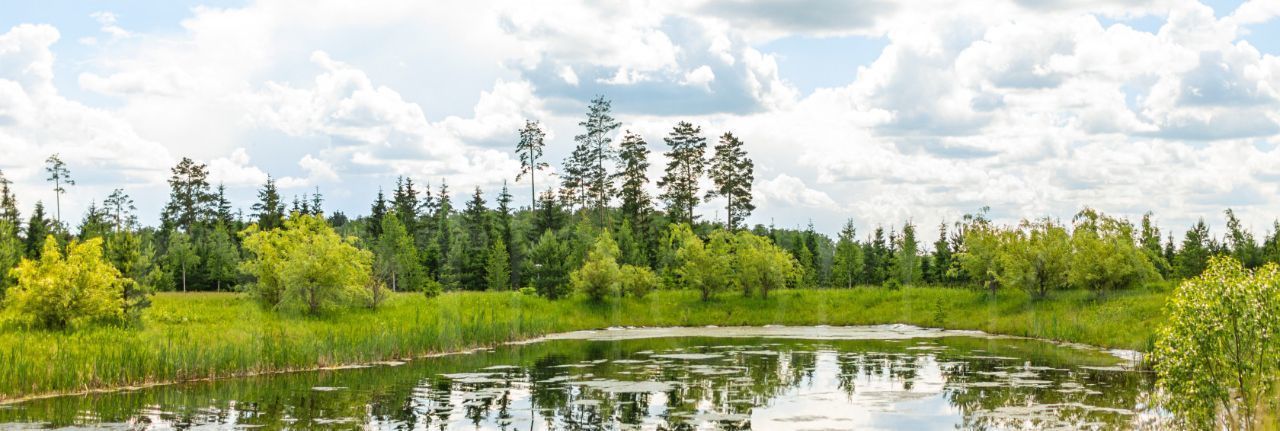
{"points": [[475, 220], [846, 265], [1193, 258], [269, 210], [37, 229], [685, 164], [498, 267], [733, 173], [405, 202], [378, 211], [8, 203], [395, 257], [942, 256]]}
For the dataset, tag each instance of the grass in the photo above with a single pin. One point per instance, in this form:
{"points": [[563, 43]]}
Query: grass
{"points": [[190, 336]]}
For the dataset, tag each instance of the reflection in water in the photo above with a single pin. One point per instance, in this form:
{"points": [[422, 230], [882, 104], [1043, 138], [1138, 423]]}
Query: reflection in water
{"points": [[666, 383]]}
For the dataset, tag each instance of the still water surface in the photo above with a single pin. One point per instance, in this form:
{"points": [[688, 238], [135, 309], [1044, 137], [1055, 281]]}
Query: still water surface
{"points": [[701, 378]]}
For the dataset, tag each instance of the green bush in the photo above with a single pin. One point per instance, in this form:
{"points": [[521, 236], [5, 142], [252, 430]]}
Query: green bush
{"points": [[638, 281], [599, 275], [1218, 358], [58, 291], [307, 266]]}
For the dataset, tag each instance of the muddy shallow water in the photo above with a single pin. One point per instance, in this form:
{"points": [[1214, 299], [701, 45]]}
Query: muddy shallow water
{"points": [[771, 378]]}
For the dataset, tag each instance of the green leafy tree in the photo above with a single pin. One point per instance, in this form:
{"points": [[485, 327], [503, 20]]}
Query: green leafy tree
{"points": [[760, 265], [638, 281], [56, 291], [1036, 258], [11, 252], [222, 258], [1104, 257], [907, 267], [1218, 357], [529, 149], [631, 250], [846, 263], [732, 172], [706, 267], [181, 257], [61, 177], [685, 165], [395, 257], [979, 258], [1241, 243], [498, 267], [1149, 239], [308, 266], [548, 266], [600, 276]]}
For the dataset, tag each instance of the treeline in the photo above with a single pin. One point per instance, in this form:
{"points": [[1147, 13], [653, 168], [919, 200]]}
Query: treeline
{"points": [[419, 239]]}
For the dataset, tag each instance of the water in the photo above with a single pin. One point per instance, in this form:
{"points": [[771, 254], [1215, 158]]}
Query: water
{"points": [[703, 378]]}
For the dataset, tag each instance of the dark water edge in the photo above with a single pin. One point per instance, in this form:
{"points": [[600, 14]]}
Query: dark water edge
{"points": [[956, 382]]}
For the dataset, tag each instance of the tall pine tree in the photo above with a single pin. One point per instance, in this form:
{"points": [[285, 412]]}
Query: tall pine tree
{"points": [[732, 172], [685, 164], [529, 149]]}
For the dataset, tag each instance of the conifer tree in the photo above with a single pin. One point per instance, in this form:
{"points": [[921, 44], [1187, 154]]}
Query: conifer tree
{"points": [[377, 213], [633, 155], [598, 153], [498, 267], [548, 266], [475, 219], [846, 265], [530, 152], [9, 203], [269, 210], [395, 257], [37, 229], [942, 256], [907, 260], [61, 178], [1193, 258], [190, 201], [405, 202], [732, 172], [685, 164]]}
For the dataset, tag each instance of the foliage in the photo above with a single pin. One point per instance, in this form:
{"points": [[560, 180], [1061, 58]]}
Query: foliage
{"points": [[180, 256], [307, 265], [847, 263], [979, 258], [1036, 258], [395, 257], [638, 281], [685, 164], [530, 150], [57, 291], [549, 266], [1218, 357], [705, 267], [907, 263], [760, 265], [599, 275], [498, 267], [732, 172], [1104, 255]]}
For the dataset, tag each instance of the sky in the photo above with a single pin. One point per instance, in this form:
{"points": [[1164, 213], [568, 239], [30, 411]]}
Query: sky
{"points": [[869, 110]]}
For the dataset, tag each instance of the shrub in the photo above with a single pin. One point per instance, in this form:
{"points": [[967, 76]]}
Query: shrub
{"points": [[1218, 358], [761, 265], [638, 281], [307, 265], [599, 275], [57, 291]]}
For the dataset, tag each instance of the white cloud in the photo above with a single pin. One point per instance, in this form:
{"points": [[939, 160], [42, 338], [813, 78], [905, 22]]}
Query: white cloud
{"points": [[788, 190]]}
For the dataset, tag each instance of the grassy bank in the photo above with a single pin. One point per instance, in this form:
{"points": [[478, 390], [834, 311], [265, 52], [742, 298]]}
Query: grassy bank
{"points": [[204, 335]]}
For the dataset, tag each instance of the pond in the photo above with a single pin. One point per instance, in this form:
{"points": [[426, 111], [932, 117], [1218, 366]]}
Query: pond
{"points": [[771, 378]]}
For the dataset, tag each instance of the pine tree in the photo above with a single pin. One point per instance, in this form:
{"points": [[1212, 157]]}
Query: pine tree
{"points": [[222, 208], [599, 152], [95, 224], [530, 150], [190, 201], [684, 167], [846, 265], [548, 268], [632, 250], [634, 173], [61, 177], [550, 215], [269, 210], [504, 230], [447, 267], [317, 203], [733, 173]]}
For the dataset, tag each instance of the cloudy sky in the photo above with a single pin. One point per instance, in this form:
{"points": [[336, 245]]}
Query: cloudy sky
{"points": [[866, 109]]}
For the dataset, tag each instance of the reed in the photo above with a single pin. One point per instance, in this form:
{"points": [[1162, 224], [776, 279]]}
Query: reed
{"points": [[190, 336]]}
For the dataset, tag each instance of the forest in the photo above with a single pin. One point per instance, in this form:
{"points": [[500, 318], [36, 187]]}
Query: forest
{"points": [[593, 232]]}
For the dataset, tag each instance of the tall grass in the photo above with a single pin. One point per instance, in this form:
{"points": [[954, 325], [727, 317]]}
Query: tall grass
{"points": [[188, 336]]}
